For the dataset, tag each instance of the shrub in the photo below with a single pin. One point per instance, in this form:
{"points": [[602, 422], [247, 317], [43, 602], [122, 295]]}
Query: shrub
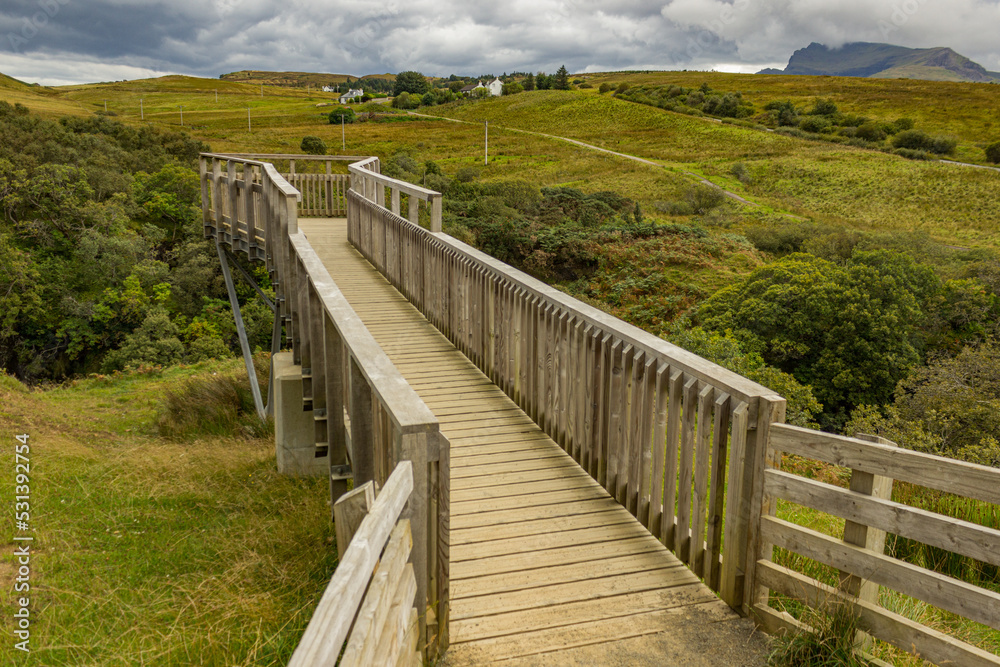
{"points": [[213, 405], [943, 145], [154, 343], [903, 124], [993, 152], [467, 174], [341, 114], [741, 173], [913, 139], [512, 88], [814, 124], [824, 108], [313, 146], [605, 87], [622, 88], [870, 132]]}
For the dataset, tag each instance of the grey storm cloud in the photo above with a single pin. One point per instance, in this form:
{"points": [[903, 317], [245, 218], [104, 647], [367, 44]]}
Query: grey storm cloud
{"points": [[63, 41]]}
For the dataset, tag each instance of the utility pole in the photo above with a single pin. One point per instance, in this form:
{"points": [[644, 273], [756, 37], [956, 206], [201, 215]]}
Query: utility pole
{"points": [[249, 129], [486, 155], [182, 116], [105, 106], [343, 133], [142, 114]]}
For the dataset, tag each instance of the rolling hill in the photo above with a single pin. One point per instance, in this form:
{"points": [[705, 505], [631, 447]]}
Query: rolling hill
{"points": [[885, 61], [296, 79]]}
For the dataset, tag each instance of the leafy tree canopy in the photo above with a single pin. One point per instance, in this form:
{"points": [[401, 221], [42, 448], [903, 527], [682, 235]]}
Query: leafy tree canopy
{"points": [[410, 82]]}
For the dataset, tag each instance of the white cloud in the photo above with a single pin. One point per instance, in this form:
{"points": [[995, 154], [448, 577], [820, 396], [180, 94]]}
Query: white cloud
{"points": [[104, 39]]}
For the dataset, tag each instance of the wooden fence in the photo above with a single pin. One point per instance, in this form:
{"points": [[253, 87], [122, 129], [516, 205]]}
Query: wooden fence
{"points": [[657, 426], [373, 185], [372, 591], [869, 513], [367, 418], [321, 193]]}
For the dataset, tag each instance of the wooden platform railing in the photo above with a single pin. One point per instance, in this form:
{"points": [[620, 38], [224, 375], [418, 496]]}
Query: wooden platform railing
{"points": [[657, 426], [859, 555], [321, 192], [373, 185], [367, 417], [372, 591]]}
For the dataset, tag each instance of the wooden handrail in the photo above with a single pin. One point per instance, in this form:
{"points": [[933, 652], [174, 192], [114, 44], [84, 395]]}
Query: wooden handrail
{"points": [[253, 209], [345, 595], [648, 420], [863, 566], [372, 185]]}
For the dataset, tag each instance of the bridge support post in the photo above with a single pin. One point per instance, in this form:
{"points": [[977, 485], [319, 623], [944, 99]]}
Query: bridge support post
{"points": [[294, 433]]}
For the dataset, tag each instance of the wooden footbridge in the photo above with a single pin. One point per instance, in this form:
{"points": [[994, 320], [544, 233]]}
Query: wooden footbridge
{"points": [[555, 486]]}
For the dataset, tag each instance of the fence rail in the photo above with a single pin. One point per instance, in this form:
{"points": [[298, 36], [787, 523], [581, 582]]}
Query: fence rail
{"points": [[372, 591], [367, 418], [649, 421], [862, 562]]}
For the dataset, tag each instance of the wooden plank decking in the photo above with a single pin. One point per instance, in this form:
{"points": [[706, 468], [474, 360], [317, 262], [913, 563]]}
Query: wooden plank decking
{"points": [[546, 568]]}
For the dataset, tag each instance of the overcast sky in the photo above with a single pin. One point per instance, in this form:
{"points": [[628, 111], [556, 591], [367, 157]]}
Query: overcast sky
{"points": [[78, 41]]}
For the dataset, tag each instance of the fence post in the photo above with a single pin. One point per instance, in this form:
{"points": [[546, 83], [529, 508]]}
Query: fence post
{"points": [[349, 511], [872, 539], [362, 456], [413, 447], [436, 213], [760, 457]]}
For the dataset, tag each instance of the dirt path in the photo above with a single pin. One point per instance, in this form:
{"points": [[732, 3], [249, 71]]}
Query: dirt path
{"points": [[634, 158]]}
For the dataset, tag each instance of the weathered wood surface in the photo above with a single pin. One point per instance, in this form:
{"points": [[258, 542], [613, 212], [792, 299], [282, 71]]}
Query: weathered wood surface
{"points": [[538, 344], [332, 619], [535, 542]]}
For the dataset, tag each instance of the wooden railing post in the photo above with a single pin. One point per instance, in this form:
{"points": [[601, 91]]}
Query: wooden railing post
{"points": [[760, 457], [413, 209], [873, 539], [362, 456], [436, 214], [349, 511]]}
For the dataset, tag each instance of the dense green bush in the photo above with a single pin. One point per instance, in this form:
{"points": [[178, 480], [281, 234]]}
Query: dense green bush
{"points": [[312, 145], [341, 115], [846, 331], [993, 152], [103, 261], [921, 141]]}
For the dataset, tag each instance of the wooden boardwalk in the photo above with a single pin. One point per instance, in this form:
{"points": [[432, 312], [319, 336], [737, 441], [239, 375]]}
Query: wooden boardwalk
{"points": [[546, 568]]}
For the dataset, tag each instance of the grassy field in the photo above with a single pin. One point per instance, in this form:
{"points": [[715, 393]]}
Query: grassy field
{"points": [[827, 183], [939, 107], [153, 551]]}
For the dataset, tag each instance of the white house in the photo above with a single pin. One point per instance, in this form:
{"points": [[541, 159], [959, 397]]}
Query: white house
{"points": [[329, 89], [350, 95], [496, 87]]}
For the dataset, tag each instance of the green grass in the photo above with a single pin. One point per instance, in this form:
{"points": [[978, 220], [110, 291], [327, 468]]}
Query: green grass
{"points": [[150, 551]]}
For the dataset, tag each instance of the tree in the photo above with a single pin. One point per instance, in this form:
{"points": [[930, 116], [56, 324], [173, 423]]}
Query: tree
{"points": [[529, 82], [410, 82], [562, 78], [512, 88], [543, 81], [993, 152], [848, 331], [341, 115], [313, 145]]}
